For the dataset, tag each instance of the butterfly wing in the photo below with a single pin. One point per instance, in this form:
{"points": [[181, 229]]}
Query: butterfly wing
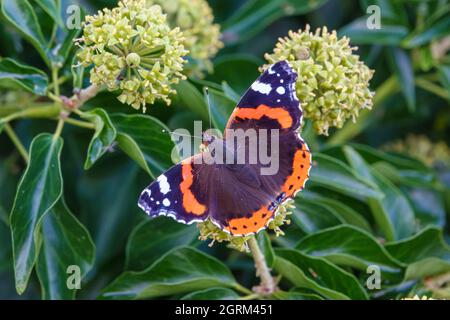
{"points": [[170, 195]]}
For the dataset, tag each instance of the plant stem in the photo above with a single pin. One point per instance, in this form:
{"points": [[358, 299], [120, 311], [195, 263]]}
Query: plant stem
{"points": [[242, 289], [59, 128], [267, 285], [16, 141], [79, 123]]}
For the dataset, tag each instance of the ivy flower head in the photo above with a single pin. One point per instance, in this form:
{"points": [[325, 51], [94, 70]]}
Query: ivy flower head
{"points": [[132, 49], [209, 231], [333, 84], [195, 19]]}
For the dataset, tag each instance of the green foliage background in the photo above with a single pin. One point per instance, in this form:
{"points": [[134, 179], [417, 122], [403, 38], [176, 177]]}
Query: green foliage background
{"points": [[361, 207]]}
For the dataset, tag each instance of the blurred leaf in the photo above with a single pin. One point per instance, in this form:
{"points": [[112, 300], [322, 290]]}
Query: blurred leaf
{"points": [[255, 15], [358, 33], [52, 9], [225, 70], [103, 138], [151, 239], [339, 209], [212, 294], [221, 108], [77, 71], [65, 242], [188, 96], [401, 65], [146, 140], [317, 274], [266, 247], [229, 92], [349, 246], [444, 76], [336, 175], [21, 15], [21, 77], [179, 271], [435, 31], [38, 191], [426, 267], [294, 295], [428, 206]]}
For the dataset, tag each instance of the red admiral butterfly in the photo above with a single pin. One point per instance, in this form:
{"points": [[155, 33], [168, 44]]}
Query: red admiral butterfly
{"points": [[237, 197]]}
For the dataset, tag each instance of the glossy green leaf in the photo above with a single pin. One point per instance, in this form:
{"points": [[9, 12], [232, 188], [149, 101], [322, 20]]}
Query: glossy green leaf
{"points": [[239, 82], [221, 108], [336, 175], [348, 246], [37, 193], [392, 212], [312, 216], [427, 243], [146, 140], [2, 125], [317, 274], [401, 65], [21, 15], [188, 96], [266, 247], [294, 295], [358, 33], [212, 294], [103, 138], [179, 271], [65, 244], [14, 75], [151, 239], [255, 15], [426, 253], [339, 209]]}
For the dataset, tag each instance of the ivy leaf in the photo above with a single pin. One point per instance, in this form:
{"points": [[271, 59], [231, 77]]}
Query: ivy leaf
{"points": [[444, 77], [103, 138], [153, 238], [212, 294], [392, 212], [38, 191], [179, 271], [401, 65], [435, 31], [312, 216], [221, 108], [427, 253], [336, 175], [255, 15], [52, 8], [146, 140], [65, 242], [318, 275], [14, 75], [189, 96], [21, 15], [348, 246]]}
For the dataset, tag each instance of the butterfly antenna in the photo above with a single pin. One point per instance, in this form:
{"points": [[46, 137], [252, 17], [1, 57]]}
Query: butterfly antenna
{"points": [[179, 134], [209, 107]]}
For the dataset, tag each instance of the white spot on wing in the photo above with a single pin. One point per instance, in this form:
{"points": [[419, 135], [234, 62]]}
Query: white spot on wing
{"points": [[281, 90], [166, 202], [164, 185], [263, 88]]}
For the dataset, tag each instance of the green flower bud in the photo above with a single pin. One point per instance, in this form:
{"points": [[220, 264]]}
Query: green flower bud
{"points": [[209, 231], [195, 19], [131, 48], [332, 84]]}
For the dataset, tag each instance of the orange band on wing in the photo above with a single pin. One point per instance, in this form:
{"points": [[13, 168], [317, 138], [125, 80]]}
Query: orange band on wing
{"points": [[300, 167], [244, 226], [281, 115], [190, 203]]}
